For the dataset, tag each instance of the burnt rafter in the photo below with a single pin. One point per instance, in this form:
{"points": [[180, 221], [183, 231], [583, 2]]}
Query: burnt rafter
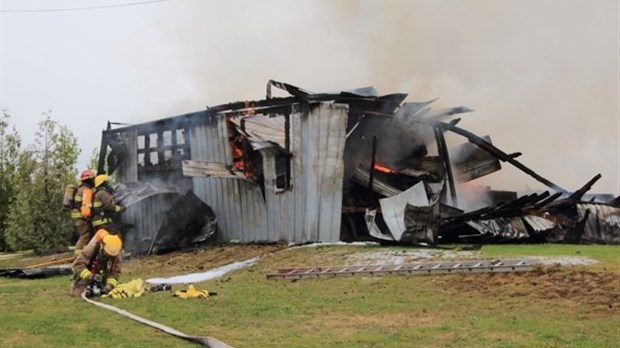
{"points": [[501, 155], [578, 195], [444, 154], [523, 204], [547, 201]]}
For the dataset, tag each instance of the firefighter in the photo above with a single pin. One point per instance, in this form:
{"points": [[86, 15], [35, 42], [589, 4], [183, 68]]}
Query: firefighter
{"points": [[104, 206], [99, 265], [80, 210]]}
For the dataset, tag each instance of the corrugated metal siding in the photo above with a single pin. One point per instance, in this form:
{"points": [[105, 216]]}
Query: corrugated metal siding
{"points": [[508, 228], [319, 148], [311, 209], [146, 217], [603, 223], [238, 204], [538, 224]]}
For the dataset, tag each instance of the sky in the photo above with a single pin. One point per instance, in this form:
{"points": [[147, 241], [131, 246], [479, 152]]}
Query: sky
{"points": [[542, 76]]}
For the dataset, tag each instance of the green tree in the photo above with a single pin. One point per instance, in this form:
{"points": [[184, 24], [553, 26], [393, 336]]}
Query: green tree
{"points": [[36, 220], [10, 143], [93, 161]]}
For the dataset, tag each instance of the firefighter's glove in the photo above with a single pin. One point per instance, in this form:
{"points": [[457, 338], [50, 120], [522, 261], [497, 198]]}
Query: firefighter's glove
{"points": [[134, 288], [90, 277], [191, 292]]}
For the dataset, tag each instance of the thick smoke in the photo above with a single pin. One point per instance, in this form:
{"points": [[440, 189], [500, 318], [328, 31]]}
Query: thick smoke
{"points": [[541, 75]]}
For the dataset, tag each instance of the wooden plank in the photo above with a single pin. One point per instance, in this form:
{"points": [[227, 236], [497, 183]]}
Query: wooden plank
{"points": [[210, 169]]}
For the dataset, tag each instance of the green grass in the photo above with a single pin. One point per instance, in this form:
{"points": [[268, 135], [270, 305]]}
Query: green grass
{"points": [[608, 256], [250, 311]]}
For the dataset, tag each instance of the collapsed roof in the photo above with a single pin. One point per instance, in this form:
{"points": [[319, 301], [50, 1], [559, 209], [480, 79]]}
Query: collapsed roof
{"points": [[346, 166]]}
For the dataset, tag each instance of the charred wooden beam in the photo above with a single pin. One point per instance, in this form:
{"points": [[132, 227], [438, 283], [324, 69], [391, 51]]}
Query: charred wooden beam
{"points": [[160, 147], [147, 150], [443, 153], [173, 138], [506, 209], [186, 150], [573, 235], [532, 203], [552, 198], [577, 195], [103, 149], [455, 121], [371, 170], [501, 155]]}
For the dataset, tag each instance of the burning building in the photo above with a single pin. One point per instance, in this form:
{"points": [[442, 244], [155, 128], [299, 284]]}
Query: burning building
{"points": [[325, 167]]}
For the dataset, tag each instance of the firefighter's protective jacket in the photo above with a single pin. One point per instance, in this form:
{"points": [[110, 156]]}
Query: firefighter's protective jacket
{"points": [[95, 261], [104, 206]]}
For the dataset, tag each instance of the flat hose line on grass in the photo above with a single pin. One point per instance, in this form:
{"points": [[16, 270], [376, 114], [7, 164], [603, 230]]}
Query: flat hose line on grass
{"points": [[205, 341]]}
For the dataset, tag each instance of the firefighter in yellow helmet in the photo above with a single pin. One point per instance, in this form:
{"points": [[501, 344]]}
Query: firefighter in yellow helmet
{"points": [[99, 265], [105, 207], [83, 197]]}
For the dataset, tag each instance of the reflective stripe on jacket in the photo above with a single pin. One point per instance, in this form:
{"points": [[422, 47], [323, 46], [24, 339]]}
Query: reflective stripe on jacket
{"points": [[104, 205]]}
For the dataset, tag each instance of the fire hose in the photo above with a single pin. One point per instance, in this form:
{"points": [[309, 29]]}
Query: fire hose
{"points": [[205, 341]]}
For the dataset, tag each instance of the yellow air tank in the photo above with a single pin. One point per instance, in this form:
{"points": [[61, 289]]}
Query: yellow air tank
{"points": [[67, 199]]}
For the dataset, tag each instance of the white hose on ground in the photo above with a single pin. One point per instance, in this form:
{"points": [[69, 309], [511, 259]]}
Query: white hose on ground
{"points": [[205, 341]]}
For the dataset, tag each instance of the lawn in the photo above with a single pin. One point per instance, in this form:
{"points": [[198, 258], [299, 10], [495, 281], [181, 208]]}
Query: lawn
{"points": [[553, 306]]}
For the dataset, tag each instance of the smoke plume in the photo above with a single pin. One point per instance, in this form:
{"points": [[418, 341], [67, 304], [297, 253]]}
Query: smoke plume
{"points": [[542, 76]]}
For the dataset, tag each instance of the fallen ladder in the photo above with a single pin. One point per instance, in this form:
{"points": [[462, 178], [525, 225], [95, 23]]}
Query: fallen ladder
{"points": [[442, 267]]}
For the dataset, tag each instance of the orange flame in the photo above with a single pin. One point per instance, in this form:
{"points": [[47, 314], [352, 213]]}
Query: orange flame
{"points": [[384, 169]]}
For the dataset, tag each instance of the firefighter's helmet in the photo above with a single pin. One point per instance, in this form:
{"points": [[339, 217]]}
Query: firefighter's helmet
{"points": [[112, 244], [87, 174], [100, 179]]}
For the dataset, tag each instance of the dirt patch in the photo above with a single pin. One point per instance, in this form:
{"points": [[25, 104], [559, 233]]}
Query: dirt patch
{"points": [[198, 260], [584, 287]]}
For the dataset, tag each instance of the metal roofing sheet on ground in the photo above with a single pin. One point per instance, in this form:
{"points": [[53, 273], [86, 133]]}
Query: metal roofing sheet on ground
{"points": [[393, 208], [538, 223], [508, 228], [145, 218], [603, 223]]}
